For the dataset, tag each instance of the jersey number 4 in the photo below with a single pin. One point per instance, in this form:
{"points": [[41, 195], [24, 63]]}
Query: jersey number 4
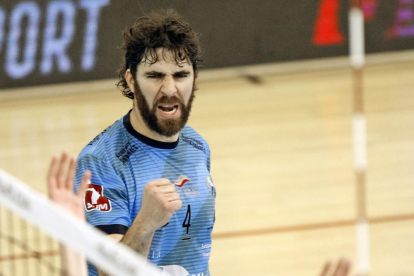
{"points": [[187, 220]]}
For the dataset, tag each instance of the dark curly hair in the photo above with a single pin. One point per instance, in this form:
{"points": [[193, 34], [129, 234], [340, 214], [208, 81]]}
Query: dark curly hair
{"points": [[166, 30]]}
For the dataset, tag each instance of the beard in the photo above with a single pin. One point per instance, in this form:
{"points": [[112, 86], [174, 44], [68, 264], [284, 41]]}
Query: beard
{"points": [[165, 127]]}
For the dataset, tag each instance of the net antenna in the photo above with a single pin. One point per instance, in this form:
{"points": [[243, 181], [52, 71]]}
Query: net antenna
{"points": [[109, 255], [357, 59]]}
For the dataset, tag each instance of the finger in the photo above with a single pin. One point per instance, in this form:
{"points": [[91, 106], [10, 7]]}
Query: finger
{"points": [[342, 268], [70, 179], [85, 182], [326, 268], [61, 170], [161, 182], [173, 196], [51, 175], [166, 189], [176, 205]]}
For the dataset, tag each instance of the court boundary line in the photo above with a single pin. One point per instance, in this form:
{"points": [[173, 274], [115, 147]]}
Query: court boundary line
{"points": [[33, 255], [310, 226]]}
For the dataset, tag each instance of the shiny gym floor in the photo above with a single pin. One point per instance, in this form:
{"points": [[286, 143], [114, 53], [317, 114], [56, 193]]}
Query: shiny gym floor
{"points": [[282, 161]]}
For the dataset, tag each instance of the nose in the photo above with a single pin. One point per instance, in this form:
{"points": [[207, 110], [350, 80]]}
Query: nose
{"points": [[169, 87]]}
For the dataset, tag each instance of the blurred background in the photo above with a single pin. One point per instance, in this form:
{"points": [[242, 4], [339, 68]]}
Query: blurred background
{"points": [[275, 102]]}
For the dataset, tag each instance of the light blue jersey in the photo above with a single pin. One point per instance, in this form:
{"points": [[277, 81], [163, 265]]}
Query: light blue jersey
{"points": [[122, 161]]}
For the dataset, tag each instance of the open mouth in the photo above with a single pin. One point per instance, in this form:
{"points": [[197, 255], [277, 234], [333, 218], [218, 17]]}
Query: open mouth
{"points": [[168, 108]]}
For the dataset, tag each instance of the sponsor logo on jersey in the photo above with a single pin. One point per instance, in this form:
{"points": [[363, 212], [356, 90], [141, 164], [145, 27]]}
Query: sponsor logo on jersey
{"points": [[210, 186], [194, 142], [187, 190], [182, 179], [184, 186], [95, 200], [125, 153], [206, 246], [97, 137]]}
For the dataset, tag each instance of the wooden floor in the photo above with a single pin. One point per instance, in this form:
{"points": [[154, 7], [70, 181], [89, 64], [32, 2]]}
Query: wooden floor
{"points": [[282, 163]]}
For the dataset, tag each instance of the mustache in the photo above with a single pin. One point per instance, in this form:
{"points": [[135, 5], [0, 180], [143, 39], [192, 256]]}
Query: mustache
{"points": [[168, 100]]}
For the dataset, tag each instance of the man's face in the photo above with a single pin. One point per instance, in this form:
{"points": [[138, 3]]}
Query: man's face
{"points": [[164, 93]]}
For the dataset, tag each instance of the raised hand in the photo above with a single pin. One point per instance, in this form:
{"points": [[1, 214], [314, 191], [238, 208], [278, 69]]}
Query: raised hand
{"points": [[342, 268], [60, 179]]}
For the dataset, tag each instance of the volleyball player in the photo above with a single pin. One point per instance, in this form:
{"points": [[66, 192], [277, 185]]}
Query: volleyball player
{"points": [[151, 187], [60, 185]]}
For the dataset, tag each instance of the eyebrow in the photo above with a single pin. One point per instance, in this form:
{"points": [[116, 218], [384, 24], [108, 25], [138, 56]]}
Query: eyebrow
{"points": [[154, 73], [163, 74], [186, 72]]}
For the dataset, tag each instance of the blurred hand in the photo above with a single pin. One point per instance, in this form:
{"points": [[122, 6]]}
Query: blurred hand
{"points": [[342, 268], [60, 178]]}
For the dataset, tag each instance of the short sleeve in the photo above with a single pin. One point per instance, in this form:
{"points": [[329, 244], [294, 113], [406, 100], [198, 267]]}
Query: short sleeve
{"points": [[105, 200]]}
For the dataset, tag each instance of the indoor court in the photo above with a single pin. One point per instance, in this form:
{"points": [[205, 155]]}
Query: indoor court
{"points": [[282, 159]]}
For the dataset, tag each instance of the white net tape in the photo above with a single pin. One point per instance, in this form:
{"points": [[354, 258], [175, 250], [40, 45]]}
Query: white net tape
{"points": [[107, 254]]}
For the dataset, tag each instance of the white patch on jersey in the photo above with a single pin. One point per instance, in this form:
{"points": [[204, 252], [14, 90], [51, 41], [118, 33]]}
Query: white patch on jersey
{"points": [[174, 270]]}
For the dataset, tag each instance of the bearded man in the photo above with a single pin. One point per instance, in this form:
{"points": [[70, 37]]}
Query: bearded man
{"points": [[151, 187]]}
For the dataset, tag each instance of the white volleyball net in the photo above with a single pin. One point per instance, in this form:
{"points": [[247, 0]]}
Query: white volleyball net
{"points": [[32, 229]]}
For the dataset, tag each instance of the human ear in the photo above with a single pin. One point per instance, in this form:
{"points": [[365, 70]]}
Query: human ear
{"points": [[130, 80]]}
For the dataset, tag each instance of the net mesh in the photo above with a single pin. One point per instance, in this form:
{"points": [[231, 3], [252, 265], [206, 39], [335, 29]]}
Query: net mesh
{"points": [[26, 250], [33, 230]]}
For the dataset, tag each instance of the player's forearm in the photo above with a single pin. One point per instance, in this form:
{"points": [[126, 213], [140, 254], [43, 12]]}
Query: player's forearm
{"points": [[139, 237], [73, 262]]}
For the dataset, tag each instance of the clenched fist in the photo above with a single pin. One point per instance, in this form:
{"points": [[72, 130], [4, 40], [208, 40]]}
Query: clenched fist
{"points": [[159, 202]]}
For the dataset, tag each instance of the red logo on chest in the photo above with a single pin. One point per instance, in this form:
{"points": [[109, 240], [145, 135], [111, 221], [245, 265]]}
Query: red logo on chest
{"points": [[181, 180]]}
